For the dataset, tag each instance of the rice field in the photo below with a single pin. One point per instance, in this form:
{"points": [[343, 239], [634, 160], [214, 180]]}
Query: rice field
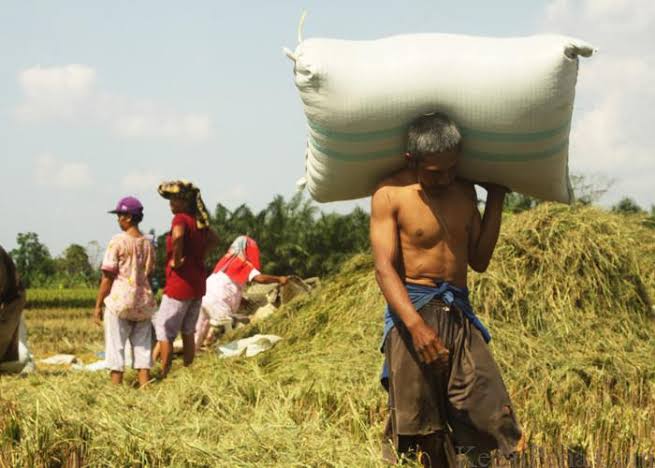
{"points": [[567, 299], [61, 298]]}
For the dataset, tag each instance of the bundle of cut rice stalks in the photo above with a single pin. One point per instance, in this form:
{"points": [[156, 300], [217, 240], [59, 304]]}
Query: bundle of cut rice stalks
{"points": [[565, 298]]}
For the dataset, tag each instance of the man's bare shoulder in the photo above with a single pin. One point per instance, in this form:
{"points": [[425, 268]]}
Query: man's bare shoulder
{"points": [[396, 181]]}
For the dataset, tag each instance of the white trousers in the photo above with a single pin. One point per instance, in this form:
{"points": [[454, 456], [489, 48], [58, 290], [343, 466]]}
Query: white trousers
{"points": [[117, 332]]}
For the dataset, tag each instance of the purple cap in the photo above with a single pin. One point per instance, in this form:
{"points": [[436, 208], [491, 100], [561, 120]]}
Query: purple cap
{"points": [[128, 205]]}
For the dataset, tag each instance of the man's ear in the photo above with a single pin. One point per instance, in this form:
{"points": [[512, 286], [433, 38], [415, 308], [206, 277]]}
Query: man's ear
{"points": [[412, 160]]}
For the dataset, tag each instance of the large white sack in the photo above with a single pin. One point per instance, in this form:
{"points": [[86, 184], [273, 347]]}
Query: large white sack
{"points": [[511, 97]]}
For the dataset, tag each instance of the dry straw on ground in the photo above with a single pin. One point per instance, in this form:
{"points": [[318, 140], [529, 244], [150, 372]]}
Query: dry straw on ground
{"points": [[566, 299]]}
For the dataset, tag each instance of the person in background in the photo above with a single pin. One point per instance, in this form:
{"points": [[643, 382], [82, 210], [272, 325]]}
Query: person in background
{"points": [[12, 302], [187, 245], [125, 292], [225, 285], [154, 283]]}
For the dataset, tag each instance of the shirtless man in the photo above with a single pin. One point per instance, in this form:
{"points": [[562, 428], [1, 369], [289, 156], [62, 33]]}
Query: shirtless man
{"points": [[445, 390]]}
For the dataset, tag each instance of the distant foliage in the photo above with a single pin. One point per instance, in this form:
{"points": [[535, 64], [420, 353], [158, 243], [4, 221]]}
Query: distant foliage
{"points": [[650, 219], [588, 189], [627, 206], [517, 202], [38, 269], [32, 258], [294, 236], [73, 265]]}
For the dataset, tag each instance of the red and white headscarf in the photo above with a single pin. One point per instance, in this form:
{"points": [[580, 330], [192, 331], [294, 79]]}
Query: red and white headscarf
{"points": [[241, 258]]}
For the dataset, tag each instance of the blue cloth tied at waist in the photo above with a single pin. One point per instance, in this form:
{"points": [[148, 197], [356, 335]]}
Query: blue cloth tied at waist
{"points": [[420, 295]]}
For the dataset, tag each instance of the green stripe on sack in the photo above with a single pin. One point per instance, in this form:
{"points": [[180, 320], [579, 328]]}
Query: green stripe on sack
{"points": [[349, 157], [517, 157], [528, 137], [468, 153], [362, 136], [522, 137]]}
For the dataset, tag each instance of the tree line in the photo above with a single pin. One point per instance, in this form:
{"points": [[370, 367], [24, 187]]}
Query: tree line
{"points": [[294, 237]]}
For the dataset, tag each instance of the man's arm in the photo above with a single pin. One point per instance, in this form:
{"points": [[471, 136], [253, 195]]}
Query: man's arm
{"points": [[385, 246], [484, 234]]}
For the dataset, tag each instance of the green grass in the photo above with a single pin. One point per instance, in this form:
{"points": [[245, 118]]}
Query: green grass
{"points": [[40, 298], [49, 298], [566, 299]]}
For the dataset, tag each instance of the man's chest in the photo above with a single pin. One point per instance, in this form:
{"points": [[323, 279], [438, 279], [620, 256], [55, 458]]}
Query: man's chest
{"points": [[425, 224]]}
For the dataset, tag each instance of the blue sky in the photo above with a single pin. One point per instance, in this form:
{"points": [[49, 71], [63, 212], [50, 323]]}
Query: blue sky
{"points": [[102, 100]]}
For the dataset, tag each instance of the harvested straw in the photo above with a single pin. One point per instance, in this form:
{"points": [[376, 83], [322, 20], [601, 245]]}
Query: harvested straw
{"points": [[566, 301]]}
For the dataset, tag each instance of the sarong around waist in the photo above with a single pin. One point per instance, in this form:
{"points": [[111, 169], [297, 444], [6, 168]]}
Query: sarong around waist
{"points": [[469, 398]]}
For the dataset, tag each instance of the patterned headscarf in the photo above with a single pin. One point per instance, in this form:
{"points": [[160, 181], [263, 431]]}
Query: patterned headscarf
{"points": [[186, 190]]}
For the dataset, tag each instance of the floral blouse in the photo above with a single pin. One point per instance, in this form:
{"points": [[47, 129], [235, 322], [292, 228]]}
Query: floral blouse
{"points": [[132, 260]]}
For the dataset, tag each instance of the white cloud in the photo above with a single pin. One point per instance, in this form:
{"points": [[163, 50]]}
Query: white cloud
{"points": [[141, 180], [627, 17], [70, 80], [50, 172], [54, 93], [602, 142], [69, 94], [615, 100]]}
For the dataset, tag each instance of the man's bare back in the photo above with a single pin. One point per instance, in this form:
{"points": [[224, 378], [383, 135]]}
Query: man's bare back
{"points": [[434, 231]]}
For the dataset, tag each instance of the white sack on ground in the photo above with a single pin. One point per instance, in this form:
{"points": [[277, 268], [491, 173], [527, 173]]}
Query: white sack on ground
{"points": [[59, 360], [93, 367], [248, 346], [512, 98]]}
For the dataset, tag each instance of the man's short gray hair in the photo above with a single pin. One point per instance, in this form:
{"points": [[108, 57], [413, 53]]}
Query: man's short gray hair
{"points": [[432, 133]]}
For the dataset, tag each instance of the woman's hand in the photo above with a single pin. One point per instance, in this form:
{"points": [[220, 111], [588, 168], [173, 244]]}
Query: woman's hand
{"points": [[174, 265], [97, 316]]}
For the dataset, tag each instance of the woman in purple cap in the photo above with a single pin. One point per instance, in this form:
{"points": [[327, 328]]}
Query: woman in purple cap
{"points": [[126, 294]]}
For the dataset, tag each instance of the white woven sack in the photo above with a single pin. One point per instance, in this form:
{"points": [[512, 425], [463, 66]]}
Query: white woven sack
{"points": [[511, 97]]}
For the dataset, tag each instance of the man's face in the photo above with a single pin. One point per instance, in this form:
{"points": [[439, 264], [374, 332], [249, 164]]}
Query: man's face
{"points": [[436, 171]]}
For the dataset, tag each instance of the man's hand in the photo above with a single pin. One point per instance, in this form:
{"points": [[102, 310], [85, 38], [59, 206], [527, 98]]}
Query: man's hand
{"points": [[283, 280], [97, 316], [428, 345]]}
